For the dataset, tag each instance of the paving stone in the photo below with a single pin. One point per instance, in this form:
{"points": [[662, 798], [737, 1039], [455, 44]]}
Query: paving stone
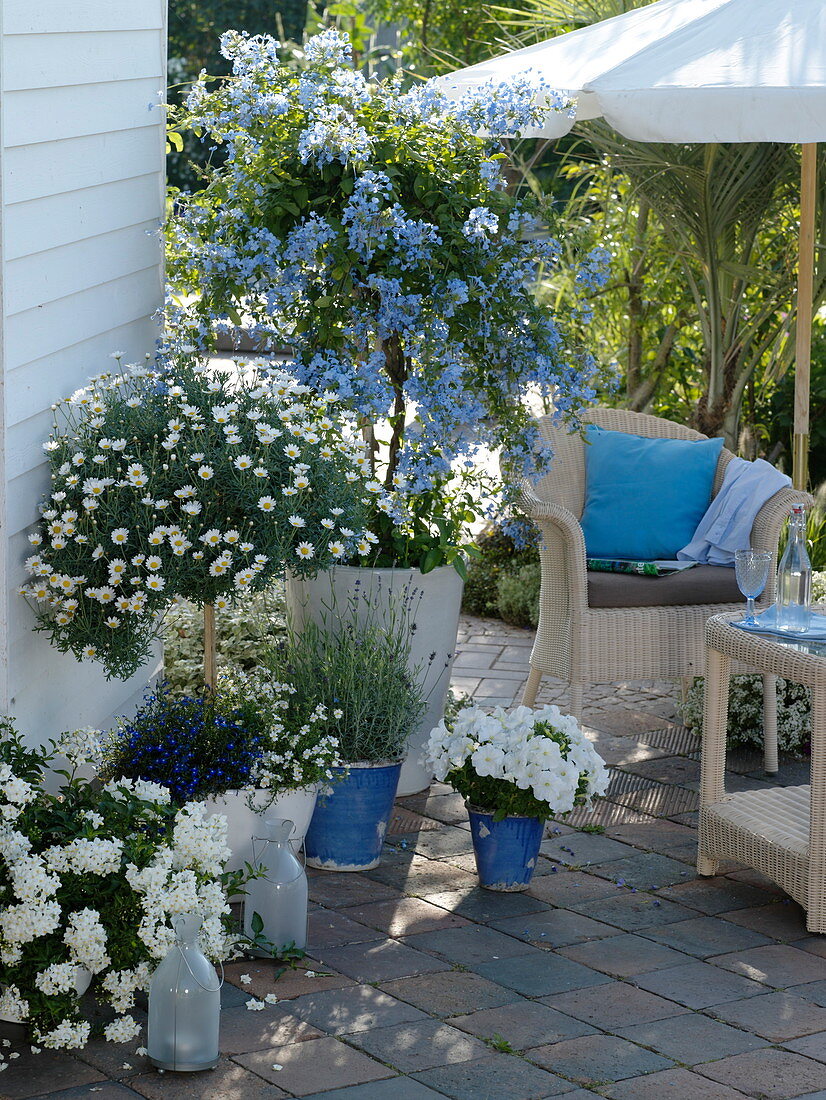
{"points": [[714, 895], [414, 874], [612, 1006], [815, 945], [449, 808], [624, 955], [358, 1008], [705, 936], [313, 1066], [681, 1084], [775, 1016], [494, 1077], [108, 1090], [782, 920], [812, 991], [570, 888], [556, 928], [309, 976], [337, 889], [449, 840], [227, 1080], [673, 770], [116, 1060], [691, 1038], [420, 1045], [778, 965], [450, 993], [634, 911], [597, 1059], [379, 962], [756, 878], [770, 1074], [399, 1088], [405, 916], [584, 849], [482, 905], [813, 1046], [469, 945], [524, 1024], [647, 871], [37, 1074], [472, 656], [243, 1031], [699, 985], [664, 837], [538, 978], [326, 928]]}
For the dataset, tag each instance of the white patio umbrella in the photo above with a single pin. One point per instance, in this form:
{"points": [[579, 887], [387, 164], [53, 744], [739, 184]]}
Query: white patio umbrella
{"points": [[697, 71]]}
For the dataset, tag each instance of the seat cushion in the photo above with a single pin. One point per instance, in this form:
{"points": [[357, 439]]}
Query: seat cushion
{"points": [[702, 584], [644, 497]]}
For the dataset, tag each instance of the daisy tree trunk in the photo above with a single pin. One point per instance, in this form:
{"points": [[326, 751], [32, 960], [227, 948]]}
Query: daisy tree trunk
{"points": [[209, 647]]}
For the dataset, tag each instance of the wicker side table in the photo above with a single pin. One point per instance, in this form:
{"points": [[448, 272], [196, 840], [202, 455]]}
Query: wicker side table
{"points": [[780, 831]]}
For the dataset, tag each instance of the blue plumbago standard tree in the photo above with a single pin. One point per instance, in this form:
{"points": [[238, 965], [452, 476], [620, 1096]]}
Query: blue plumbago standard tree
{"points": [[370, 229]]}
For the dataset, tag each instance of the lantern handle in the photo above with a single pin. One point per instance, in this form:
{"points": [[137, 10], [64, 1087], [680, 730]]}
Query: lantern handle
{"points": [[206, 988]]}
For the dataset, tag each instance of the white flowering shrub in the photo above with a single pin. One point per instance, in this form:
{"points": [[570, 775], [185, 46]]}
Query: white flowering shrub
{"points": [[745, 712], [819, 587], [187, 480], [530, 763], [91, 877]]}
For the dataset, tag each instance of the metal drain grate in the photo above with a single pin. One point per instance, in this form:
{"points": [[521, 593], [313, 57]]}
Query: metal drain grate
{"points": [[678, 740], [406, 821], [662, 800]]}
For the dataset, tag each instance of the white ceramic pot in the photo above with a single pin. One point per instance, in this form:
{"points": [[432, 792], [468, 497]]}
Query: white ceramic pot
{"points": [[243, 820], [434, 600], [83, 979]]}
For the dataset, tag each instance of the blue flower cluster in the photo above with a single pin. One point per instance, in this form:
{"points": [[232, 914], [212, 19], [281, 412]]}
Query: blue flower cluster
{"points": [[191, 745], [368, 228]]}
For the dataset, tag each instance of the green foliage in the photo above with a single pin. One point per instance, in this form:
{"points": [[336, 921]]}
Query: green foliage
{"points": [[745, 712], [517, 595], [497, 557], [244, 629], [195, 27], [355, 664]]}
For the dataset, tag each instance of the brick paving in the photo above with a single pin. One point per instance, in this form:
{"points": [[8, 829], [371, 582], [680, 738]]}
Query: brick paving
{"points": [[618, 974]]}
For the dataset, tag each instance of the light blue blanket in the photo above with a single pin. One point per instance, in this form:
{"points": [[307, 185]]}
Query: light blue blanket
{"points": [[728, 521]]}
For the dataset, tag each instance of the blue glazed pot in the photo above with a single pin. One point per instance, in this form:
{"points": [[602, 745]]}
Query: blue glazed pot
{"points": [[506, 851], [348, 826]]}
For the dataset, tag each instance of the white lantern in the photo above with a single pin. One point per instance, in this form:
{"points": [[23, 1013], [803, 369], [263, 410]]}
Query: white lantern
{"points": [[184, 1004]]}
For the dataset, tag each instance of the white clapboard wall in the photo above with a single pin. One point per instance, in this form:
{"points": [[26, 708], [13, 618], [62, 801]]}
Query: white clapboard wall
{"points": [[81, 200]]}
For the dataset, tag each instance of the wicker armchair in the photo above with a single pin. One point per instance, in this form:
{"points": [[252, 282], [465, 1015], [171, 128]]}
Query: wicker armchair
{"points": [[601, 627]]}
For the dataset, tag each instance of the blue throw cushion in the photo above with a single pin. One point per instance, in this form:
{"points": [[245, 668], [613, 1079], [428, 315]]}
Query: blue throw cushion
{"points": [[644, 497]]}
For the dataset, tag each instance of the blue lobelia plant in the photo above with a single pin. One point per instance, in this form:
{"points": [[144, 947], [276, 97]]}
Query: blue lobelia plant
{"points": [[371, 230]]}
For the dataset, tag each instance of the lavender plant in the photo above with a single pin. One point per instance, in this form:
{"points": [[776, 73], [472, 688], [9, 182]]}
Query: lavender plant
{"points": [[370, 229]]}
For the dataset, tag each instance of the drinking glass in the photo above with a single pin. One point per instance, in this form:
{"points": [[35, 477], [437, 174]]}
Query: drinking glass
{"points": [[751, 568]]}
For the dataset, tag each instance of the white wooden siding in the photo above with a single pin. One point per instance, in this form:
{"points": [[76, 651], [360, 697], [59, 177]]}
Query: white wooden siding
{"points": [[81, 200]]}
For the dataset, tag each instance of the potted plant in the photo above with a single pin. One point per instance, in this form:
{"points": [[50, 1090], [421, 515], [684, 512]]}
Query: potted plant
{"points": [[92, 876], [185, 480], [358, 671], [515, 770], [241, 748], [372, 233]]}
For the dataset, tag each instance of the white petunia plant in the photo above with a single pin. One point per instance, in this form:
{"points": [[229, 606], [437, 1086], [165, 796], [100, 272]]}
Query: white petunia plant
{"points": [[90, 879], [528, 763], [188, 480]]}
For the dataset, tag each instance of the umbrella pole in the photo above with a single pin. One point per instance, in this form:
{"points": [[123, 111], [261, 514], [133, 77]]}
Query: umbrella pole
{"points": [[805, 292]]}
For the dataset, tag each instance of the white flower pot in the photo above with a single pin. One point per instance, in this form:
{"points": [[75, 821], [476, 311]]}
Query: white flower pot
{"points": [[243, 820], [435, 600], [83, 979]]}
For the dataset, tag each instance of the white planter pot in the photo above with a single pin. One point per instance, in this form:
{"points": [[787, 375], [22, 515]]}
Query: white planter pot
{"points": [[83, 979], [435, 601], [243, 820]]}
